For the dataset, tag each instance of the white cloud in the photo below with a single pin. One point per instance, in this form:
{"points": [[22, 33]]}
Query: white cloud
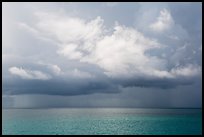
{"points": [[187, 71], [123, 53], [70, 51], [164, 21], [120, 53], [54, 68], [29, 74], [69, 29]]}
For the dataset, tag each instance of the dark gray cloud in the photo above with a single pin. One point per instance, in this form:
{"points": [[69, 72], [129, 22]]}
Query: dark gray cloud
{"points": [[58, 87], [80, 86], [157, 83]]}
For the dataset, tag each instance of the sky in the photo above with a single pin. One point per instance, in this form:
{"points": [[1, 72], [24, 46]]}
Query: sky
{"points": [[104, 54]]}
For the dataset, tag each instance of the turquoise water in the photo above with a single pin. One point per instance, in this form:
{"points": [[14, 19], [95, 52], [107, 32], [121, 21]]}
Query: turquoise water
{"points": [[102, 121]]}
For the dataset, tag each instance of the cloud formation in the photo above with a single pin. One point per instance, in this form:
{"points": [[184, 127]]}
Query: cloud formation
{"points": [[121, 52], [148, 51], [163, 22], [29, 74]]}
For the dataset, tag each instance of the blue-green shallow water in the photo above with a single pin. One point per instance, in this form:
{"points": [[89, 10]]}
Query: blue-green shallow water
{"points": [[102, 121]]}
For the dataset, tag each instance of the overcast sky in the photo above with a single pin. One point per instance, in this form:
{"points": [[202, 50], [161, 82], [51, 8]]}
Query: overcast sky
{"points": [[102, 55]]}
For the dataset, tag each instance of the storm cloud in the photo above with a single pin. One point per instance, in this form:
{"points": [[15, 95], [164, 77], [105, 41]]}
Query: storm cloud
{"points": [[57, 50]]}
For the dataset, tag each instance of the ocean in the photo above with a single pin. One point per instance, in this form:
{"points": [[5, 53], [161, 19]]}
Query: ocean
{"points": [[105, 121]]}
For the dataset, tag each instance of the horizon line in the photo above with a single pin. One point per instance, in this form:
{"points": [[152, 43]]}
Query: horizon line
{"points": [[104, 107]]}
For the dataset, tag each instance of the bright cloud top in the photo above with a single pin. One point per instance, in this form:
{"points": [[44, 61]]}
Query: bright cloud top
{"points": [[164, 21], [120, 52]]}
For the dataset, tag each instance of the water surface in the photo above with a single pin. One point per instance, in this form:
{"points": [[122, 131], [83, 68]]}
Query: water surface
{"points": [[120, 121]]}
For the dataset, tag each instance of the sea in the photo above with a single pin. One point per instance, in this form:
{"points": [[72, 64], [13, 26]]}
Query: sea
{"points": [[101, 121]]}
